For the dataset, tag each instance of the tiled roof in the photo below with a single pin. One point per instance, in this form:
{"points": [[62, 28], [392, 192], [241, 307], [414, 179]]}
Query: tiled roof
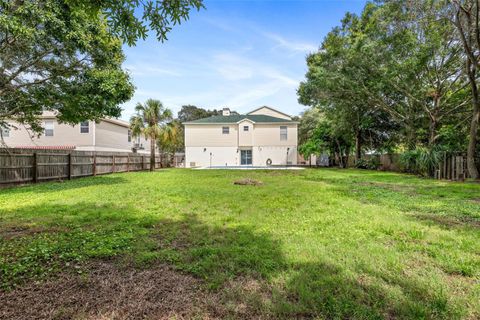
{"points": [[238, 117]]}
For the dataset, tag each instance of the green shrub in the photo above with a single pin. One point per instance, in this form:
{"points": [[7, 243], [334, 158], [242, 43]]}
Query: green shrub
{"points": [[421, 161], [372, 163]]}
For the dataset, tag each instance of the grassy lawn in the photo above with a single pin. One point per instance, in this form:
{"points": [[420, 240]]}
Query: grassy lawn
{"points": [[312, 243]]}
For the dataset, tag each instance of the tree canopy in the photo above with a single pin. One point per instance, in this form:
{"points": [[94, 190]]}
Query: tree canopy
{"points": [[66, 55], [392, 78], [191, 112]]}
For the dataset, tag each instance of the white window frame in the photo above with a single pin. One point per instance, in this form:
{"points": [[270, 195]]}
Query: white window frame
{"points": [[283, 133], [225, 130], [47, 127], [82, 126], [5, 132]]}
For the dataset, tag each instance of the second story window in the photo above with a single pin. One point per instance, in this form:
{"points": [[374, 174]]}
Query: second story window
{"points": [[225, 130], [5, 132], [283, 133], [84, 127], [245, 128], [48, 126], [129, 135]]}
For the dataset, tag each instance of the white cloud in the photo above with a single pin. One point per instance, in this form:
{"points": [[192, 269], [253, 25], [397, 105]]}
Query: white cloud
{"points": [[294, 46], [150, 70]]}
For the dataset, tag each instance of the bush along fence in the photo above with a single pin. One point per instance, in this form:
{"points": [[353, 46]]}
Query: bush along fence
{"points": [[448, 166], [31, 165]]}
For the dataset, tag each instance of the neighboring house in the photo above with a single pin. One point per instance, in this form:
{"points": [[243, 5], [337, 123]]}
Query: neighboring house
{"points": [[106, 135], [261, 137]]}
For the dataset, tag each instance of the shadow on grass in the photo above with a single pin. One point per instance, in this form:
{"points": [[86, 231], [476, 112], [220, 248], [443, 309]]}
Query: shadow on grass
{"points": [[219, 255], [62, 185]]}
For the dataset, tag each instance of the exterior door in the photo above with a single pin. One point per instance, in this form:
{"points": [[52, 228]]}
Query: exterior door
{"points": [[245, 157]]}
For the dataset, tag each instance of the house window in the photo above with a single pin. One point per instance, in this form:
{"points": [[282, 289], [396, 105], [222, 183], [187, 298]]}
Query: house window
{"points": [[48, 126], [84, 127], [129, 135], [225, 130], [283, 133], [245, 128], [5, 132]]}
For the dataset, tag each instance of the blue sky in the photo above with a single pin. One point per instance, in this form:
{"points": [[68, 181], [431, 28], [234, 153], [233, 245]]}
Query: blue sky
{"points": [[236, 54]]}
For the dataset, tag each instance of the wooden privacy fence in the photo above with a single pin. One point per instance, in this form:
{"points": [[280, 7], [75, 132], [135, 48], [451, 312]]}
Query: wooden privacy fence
{"points": [[452, 167], [29, 165]]}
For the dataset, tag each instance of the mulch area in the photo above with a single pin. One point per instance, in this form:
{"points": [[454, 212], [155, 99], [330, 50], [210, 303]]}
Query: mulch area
{"points": [[110, 291]]}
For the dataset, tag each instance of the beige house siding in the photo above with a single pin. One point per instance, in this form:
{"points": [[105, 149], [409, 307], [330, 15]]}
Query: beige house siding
{"points": [[269, 135], [245, 138], [63, 134], [112, 136], [107, 135], [202, 135]]}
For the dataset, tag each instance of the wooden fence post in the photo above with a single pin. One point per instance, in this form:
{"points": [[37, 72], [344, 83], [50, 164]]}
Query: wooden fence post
{"points": [[94, 164], [35, 167], [113, 163], [70, 166]]}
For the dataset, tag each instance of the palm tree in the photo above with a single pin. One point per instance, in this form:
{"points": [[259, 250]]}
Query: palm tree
{"points": [[149, 120], [171, 137]]}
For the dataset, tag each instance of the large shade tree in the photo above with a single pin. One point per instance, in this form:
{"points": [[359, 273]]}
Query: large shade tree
{"points": [[465, 16], [66, 55], [150, 119]]}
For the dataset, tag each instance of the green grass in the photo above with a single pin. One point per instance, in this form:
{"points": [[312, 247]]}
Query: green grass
{"points": [[324, 243]]}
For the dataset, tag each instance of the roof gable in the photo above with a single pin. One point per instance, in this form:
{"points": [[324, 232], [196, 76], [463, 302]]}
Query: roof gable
{"points": [[256, 118], [270, 112]]}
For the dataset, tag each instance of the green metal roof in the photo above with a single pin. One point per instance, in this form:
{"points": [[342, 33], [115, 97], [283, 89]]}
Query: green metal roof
{"points": [[238, 117]]}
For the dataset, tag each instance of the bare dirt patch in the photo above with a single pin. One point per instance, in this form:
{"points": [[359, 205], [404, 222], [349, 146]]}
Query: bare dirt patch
{"points": [[389, 186], [450, 221], [248, 182], [22, 231], [109, 291]]}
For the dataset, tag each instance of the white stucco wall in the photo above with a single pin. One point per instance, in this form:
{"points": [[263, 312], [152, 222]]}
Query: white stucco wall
{"points": [[278, 155], [228, 156], [221, 156]]}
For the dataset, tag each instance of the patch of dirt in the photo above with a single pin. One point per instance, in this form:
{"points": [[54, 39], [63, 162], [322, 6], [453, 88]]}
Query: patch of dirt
{"points": [[450, 221], [393, 187], [248, 182], [475, 200], [22, 231], [108, 291]]}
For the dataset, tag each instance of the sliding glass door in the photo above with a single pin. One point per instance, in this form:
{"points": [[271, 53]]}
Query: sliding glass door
{"points": [[245, 157]]}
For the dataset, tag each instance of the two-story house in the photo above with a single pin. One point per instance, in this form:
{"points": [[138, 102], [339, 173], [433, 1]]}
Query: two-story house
{"points": [[105, 135], [262, 137]]}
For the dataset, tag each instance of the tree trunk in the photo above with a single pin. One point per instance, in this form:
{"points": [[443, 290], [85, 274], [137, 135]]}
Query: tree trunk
{"points": [[347, 156], [358, 147], [433, 132], [411, 138], [152, 154], [472, 139]]}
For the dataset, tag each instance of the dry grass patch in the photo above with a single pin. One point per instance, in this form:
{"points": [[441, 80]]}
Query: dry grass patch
{"points": [[248, 182], [109, 291]]}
